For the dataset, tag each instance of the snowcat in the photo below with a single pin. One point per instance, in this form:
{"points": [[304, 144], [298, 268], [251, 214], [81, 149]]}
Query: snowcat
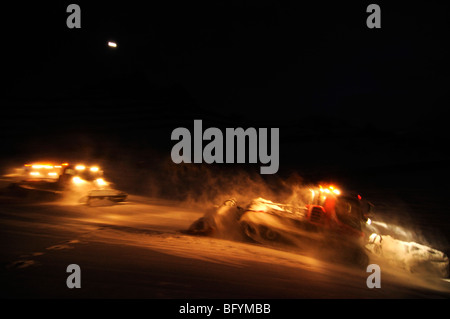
{"points": [[337, 224], [328, 220]]}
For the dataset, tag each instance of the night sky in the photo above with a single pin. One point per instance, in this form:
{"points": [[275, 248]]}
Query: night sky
{"points": [[349, 100]]}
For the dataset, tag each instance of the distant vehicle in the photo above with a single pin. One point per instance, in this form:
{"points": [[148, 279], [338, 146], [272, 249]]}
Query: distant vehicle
{"points": [[77, 178]]}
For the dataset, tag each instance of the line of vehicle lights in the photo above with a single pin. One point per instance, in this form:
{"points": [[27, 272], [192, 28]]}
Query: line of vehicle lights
{"points": [[82, 168], [39, 174], [50, 166], [332, 189], [328, 190], [76, 179]]}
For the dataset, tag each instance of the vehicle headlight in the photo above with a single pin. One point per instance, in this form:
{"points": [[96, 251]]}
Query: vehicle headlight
{"points": [[77, 180], [101, 182]]}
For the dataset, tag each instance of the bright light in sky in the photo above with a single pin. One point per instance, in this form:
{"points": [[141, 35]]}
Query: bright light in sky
{"points": [[112, 44]]}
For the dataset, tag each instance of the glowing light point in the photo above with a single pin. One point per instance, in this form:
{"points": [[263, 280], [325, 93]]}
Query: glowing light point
{"points": [[112, 44], [77, 180], [101, 182]]}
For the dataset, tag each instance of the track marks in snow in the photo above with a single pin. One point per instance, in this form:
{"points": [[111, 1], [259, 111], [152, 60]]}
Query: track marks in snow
{"points": [[21, 264], [29, 260]]}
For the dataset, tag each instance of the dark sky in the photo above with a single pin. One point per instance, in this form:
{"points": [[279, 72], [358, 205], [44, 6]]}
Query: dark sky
{"points": [[372, 96]]}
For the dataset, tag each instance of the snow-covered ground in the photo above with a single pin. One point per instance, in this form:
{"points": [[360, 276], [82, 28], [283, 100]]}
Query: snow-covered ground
{"points": [[140, 249]]}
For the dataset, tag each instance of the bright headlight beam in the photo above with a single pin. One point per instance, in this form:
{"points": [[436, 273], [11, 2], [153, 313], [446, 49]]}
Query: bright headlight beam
{"points": [[77, 180], [101, 182]]}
